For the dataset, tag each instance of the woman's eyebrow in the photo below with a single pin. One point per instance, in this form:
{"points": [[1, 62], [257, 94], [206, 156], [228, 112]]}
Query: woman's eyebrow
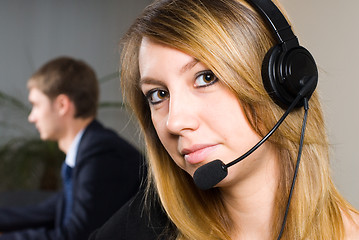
{"points": [[148, 80], [188, 66]]}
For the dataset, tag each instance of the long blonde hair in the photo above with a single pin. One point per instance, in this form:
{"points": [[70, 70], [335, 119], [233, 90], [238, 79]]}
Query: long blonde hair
{"points": [[230, 38]]}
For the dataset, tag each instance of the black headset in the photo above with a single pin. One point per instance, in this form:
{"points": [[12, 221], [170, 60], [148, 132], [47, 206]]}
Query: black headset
{"points": [[287, 66]]}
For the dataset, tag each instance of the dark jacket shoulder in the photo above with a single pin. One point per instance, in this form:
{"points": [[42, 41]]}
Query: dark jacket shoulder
{"points": [[136, 220], [96, 135]]}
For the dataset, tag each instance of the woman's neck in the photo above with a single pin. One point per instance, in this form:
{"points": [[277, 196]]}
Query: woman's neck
{"points": [[250, 202]]}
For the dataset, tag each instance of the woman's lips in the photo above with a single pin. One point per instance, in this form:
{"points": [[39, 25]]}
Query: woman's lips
{"points": [[198, 154]]}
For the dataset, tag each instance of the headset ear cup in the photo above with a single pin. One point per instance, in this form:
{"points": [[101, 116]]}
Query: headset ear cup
{"points": [[265, 70], [297, 67], [284, 73], [270, 78]]}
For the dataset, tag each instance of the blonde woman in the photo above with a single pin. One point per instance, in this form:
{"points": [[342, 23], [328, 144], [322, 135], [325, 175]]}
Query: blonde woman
{"points": [[192, 72]]}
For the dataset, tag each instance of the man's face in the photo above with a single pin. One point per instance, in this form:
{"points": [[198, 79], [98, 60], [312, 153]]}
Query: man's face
{"points": [[44, 115]]}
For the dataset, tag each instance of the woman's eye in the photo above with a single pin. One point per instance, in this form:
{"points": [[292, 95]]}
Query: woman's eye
{"points": [[205, 79], [156, 96]]}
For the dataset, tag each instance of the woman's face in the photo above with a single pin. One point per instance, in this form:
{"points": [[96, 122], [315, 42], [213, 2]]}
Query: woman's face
{"points": [[197, 118]]}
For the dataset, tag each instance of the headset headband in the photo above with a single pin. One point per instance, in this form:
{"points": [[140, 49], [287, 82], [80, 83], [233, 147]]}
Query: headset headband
{"points": [[287, 66], [277, 21]]}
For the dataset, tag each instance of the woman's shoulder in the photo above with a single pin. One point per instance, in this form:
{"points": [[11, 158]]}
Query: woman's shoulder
{"points": [[135, 220], [351, 225]]}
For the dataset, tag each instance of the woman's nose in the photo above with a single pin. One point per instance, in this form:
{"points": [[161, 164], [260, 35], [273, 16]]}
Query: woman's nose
{"points": [[182, 114]]}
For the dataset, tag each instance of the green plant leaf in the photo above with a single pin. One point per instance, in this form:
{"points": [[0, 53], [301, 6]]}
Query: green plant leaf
{"points": [[4, 97], [108, 77]]}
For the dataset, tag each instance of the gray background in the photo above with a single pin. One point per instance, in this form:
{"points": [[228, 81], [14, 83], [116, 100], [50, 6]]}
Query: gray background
{"points": [[35, 31]]}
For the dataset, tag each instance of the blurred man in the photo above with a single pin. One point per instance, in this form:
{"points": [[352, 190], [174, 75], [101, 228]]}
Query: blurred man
{"points": [[101, 170]]}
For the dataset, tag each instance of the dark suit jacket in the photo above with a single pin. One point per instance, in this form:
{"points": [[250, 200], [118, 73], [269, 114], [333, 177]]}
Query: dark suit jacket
{"points": [[137, 221], [106, 175]]}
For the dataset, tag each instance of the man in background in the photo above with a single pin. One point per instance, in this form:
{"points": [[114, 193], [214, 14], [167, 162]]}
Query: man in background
{"points": [[101, 171]]}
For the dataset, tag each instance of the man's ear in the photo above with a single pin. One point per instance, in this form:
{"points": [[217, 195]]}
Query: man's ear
{"points": [[63, 104]]}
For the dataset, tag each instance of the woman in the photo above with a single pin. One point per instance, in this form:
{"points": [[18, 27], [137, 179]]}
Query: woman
{"points": [[191, 71]]}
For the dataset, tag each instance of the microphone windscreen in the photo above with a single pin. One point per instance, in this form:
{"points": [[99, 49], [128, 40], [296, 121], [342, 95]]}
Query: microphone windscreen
{"points": [[210, 174]]}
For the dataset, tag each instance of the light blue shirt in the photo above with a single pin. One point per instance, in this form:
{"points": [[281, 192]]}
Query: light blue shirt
{"points": [[72, 153]]}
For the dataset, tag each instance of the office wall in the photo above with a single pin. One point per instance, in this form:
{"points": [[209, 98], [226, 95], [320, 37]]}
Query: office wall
{"points": [[32, 32], [328, 29]]}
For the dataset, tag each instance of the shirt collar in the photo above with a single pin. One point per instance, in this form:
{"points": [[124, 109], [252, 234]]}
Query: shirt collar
{"points": [[72, 153]]}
